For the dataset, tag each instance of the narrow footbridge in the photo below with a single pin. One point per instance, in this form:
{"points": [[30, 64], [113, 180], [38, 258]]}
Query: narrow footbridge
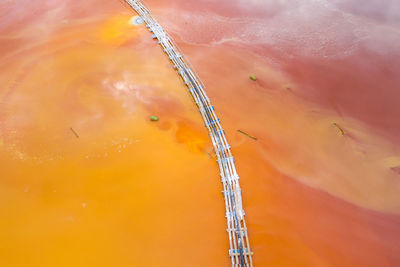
{"points": [[239, 251]]}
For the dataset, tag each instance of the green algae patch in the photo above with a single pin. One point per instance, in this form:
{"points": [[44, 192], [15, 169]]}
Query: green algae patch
{"points": [[253, 78], [154, 118]]}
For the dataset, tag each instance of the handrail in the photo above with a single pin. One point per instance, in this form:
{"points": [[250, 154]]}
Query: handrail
{"points": [[240, 253]]}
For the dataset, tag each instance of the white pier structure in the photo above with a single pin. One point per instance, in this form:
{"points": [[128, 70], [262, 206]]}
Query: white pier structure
{"points": [[239, 252]]}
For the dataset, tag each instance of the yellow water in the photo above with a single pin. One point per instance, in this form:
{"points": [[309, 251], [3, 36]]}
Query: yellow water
{"points": [[86, 179], [125, 191]]}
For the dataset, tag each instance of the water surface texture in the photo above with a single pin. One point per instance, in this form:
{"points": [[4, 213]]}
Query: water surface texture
{"points": [[87, 179]]}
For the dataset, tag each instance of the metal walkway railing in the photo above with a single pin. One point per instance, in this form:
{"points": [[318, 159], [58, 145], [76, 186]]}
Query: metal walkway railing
{"points": [[239, 251]]}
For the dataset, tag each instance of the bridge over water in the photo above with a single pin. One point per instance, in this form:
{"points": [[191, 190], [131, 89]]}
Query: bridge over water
{"points": [[239, 250]]}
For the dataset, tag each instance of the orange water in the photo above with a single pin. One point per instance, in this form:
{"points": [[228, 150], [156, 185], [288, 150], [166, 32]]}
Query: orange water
{"points": [[88, 180]]}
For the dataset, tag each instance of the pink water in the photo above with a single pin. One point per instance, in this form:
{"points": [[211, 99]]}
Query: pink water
{"points": [[320, 184]]}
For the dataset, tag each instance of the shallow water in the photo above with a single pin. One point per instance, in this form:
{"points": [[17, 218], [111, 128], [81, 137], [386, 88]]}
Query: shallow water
{"points": [[87, 179]]}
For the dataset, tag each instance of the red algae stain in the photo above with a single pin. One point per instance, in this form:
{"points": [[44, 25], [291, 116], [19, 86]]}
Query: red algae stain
{"points": [[293, 225], [313, 195], [343, 56], [363, 86]]}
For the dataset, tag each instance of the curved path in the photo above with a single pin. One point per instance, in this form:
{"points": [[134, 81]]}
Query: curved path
{"points": [[239, 251]]}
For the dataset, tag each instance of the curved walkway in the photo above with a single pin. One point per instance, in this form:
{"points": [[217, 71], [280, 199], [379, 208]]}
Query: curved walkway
{"points": [[239, 251]]}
